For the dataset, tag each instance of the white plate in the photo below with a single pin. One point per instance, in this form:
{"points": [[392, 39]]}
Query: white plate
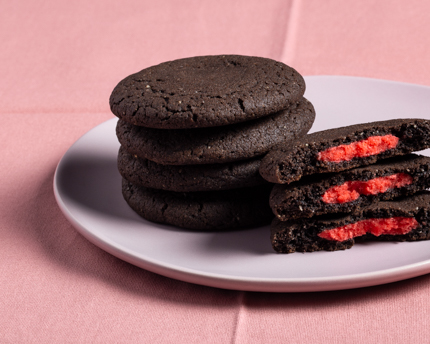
{"points": [[87, 189]]}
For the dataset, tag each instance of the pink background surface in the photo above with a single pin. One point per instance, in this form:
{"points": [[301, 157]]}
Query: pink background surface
{"points": [[59, 62]]}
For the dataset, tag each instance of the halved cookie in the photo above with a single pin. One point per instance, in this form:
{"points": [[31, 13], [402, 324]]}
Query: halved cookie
{"points": [[407, 219], [344, 148], [348, 190]]}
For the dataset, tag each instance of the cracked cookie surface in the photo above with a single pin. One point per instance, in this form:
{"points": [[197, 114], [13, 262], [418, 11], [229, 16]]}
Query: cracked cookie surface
{"points": [[238, 141], [206, 91]]}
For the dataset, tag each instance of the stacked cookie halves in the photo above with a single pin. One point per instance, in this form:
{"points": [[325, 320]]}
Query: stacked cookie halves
{"points": [[193, 132], [358, 182]]}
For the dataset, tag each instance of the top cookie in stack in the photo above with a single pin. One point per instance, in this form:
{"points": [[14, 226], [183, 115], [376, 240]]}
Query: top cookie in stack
{"points": [[194, 130]]}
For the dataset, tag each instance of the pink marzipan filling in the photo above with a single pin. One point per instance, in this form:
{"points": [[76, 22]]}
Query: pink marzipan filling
{"points": [[351, 190], [377, 227], [370, 146]]}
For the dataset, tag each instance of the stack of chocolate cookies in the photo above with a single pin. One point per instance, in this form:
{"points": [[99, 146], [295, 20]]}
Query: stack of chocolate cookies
{"points": [[193, 133], [359, 182]]}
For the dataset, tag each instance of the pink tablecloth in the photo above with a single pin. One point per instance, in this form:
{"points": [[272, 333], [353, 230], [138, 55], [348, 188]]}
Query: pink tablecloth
{"points": [[59, 63]]}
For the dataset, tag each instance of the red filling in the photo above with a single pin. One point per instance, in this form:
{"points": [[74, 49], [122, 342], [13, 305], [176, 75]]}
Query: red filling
{"points": [[371, 146], [377, 227], [351, 190]]}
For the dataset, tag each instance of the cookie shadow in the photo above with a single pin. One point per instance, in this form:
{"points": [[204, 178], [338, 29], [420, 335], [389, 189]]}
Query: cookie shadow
{"points": [[93, 183], [250, 240]]}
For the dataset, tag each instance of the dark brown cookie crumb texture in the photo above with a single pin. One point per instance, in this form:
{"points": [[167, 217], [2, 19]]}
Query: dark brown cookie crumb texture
{"points": [[304, 198], [186, 178], [217, 145], [212, 210], [301, 235], [286, 164], [206, 91]]}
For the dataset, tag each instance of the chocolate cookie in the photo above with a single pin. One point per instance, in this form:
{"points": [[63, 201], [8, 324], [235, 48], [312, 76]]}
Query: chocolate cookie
{"points": [[185, 178], [211, 210], [405, 220], [346, 191], [344, 148], [220, 144], [206, 91]]}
